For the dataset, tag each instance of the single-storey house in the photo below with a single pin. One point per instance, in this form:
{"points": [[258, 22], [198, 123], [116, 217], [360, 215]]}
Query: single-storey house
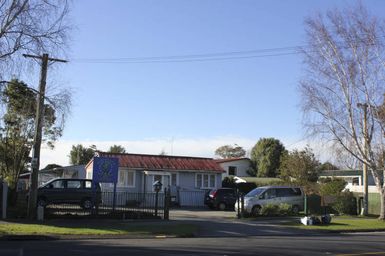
{"points": [[235, 166], [354, 179], [187, 177]]}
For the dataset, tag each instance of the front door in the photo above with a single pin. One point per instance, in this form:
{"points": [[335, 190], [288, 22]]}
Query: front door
{"points": [[164, 179]]}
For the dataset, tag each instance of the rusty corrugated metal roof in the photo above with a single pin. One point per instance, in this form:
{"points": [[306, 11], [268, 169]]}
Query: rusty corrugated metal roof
{"points": [[164, 162]]}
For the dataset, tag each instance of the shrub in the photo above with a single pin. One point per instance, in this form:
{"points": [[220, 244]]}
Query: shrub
{"points": [[228, 182], [274, 210], [270, 210], [345, 203], [332, 186], [285, 209]]}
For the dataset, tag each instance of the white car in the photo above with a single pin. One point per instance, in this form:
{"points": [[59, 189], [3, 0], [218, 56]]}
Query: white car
{"points": [[258, 197]]}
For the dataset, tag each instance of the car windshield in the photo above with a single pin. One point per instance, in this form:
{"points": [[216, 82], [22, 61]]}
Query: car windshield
{"points": [[255, 192]]}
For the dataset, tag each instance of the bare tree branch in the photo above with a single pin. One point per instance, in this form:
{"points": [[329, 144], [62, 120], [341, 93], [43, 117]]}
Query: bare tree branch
{"points": [[345, 67]]}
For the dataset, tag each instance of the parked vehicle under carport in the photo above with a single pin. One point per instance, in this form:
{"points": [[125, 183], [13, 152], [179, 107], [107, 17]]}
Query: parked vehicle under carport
{"points": [[221, 198], [69, 191]]}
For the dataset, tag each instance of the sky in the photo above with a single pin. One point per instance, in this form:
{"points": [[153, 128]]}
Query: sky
{"points": [[184, 107]]}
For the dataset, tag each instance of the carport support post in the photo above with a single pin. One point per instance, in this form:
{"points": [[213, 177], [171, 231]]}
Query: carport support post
{"points": [[242, 204], [238, 203]]}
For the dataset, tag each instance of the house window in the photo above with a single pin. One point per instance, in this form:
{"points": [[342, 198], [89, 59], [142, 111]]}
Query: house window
{"points": [[198, 180], [205, 180], [356, 181], [233, 170], [173, 179], [126, 178], [212, 181]]}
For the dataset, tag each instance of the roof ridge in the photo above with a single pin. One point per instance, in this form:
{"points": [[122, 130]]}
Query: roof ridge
{"points": [[153, 155]]}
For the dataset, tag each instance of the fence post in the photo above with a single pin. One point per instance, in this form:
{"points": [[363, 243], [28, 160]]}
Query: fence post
{"points": [[167, 199], [156, 203], [238, 204], [305, 205], [4, 200], [114, 198]]}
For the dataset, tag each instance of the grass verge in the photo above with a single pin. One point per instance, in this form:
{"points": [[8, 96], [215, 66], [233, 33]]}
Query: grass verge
{"points": [[345, 223], [92, 229]]}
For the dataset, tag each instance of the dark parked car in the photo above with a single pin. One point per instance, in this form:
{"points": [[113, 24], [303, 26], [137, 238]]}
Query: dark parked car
{"points": [[221, 198], [71, 191]]}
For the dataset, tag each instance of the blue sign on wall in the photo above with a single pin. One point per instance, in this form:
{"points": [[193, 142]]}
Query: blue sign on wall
{"points": [[105, 170]]}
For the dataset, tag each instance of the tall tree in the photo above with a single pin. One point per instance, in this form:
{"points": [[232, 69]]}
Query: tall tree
{"points": [[117, 149], [327, 166], [31, 26], [300, 166], [17, 128], [81, 155], [266, 156], [228, 151], [344, 83]]}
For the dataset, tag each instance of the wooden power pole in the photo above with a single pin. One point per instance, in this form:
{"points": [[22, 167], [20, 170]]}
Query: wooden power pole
{"points": [[32, 199]]}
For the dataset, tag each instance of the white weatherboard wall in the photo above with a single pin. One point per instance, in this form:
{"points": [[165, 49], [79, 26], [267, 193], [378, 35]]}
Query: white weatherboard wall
{"points": [[242, 166]]}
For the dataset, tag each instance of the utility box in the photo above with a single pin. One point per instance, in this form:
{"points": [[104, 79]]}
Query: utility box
{"points": [[3, 199]]}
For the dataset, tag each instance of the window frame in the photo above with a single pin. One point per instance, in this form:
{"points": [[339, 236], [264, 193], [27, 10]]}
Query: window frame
{"points": [[232, 168], [176, 179], [125, 184], [202, 180]]}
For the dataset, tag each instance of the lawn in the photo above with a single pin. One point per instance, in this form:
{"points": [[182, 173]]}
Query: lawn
{"points": [[345, 223], [110, 228]]}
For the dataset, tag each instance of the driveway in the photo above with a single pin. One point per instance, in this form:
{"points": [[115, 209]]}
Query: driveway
{"points": [[225, 224]]}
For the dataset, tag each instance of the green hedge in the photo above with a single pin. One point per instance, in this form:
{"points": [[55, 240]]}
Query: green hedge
{"points": [[345, 203]]}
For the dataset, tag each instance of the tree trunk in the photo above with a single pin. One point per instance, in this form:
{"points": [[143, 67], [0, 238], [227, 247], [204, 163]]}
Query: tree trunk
{"points": [[382, 204]]}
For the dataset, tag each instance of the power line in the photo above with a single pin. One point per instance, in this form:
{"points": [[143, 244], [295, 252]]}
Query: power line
{"points": [[218, 56], [198, 57], [232, 54], [113, 61]]}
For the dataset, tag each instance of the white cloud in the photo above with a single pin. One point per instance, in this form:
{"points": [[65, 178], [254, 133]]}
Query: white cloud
{"points": [[199, 147]]}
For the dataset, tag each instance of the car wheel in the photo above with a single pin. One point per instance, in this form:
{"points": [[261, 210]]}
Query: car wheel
{"points": [[87, 203], [41, 202], [256, 210], [222, 206], [295, 209]]}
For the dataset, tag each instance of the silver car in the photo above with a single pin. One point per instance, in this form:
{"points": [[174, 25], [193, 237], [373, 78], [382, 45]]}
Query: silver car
{"points": [[258, 197]]}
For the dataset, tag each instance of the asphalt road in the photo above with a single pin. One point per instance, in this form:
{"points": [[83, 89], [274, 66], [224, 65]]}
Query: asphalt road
{"points": [[346, 244]]}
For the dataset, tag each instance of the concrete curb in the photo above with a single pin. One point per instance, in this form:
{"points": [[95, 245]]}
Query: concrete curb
{"points": [[79, 237]]}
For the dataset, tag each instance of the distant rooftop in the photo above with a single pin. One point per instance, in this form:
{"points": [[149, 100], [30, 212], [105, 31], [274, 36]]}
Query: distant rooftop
{"points": [[345, 173], [231, 159]]}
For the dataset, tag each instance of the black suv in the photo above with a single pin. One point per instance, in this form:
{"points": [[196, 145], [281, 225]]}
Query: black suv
{"points": [[71, 191], [221, 198]]}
